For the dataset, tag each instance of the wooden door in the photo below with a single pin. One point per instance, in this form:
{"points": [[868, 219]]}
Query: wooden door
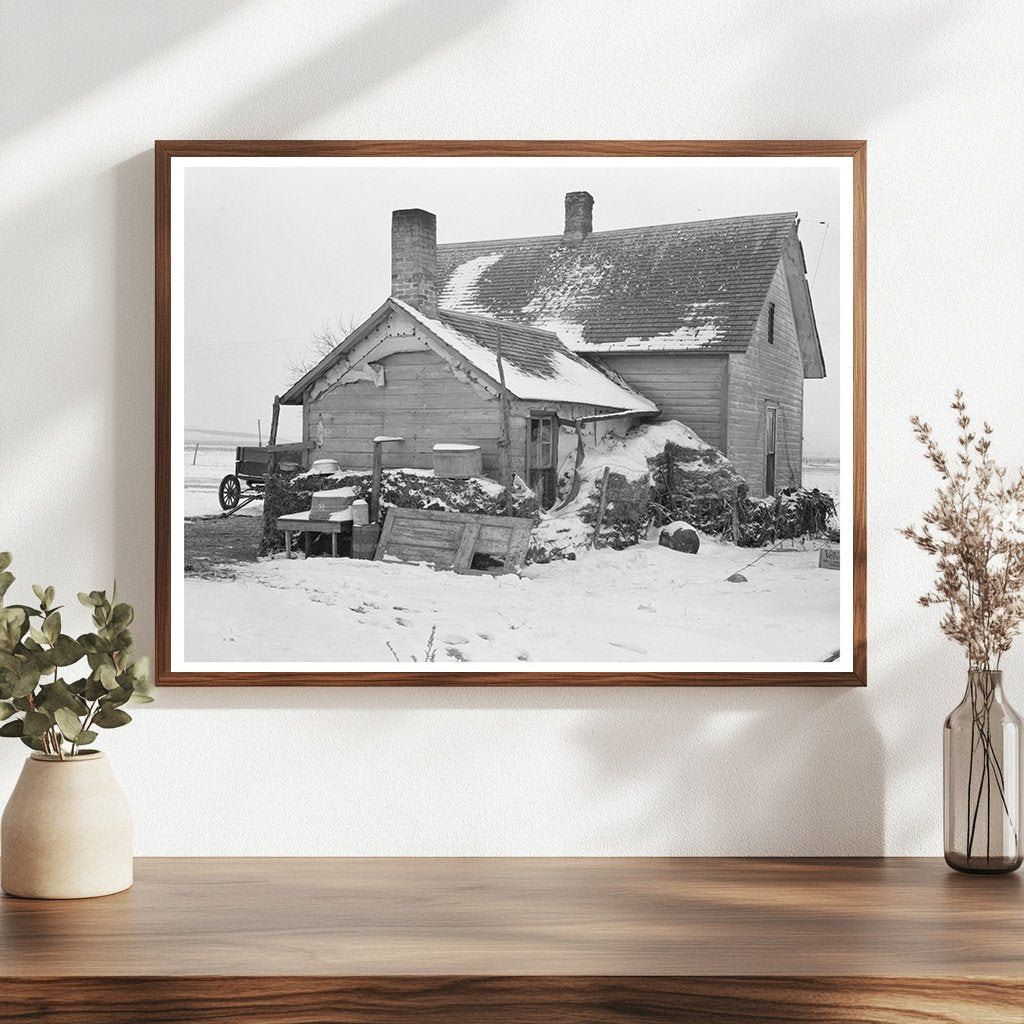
{"points": [[541, 456], [770, 444]]}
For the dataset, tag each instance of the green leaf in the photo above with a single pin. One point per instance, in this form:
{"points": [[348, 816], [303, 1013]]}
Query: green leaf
{"points": [[66, 651], [31, 741], [111, 718], [89, 600], [51, 626], [27, 682], [36, 723], [6, 579], [86, 736], [94, 689], [28, 610], [38, 635], [107, 676], [13, 625], [69, 724], [115, 698], [122, 616], [93, 644], [13, 728], [44, 594], [6, 710], [142, 682], [5, 560], [59, 695]]}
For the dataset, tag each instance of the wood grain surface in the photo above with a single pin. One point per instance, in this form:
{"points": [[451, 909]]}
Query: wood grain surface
{"points": [[568, 940], [165, 150]]}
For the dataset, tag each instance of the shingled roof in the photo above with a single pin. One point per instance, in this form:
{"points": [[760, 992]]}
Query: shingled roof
{"points": [[699, 285], [537, 366]]}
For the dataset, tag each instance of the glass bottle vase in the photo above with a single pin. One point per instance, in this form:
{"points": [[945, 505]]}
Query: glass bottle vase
{"points": [[981, 771]]}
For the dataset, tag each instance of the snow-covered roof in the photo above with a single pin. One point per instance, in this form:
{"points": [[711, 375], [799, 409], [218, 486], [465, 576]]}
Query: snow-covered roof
{"points": [[538, 367], [695, 286]]}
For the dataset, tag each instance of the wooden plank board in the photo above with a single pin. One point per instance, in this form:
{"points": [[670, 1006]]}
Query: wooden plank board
{"points": [[451, 539]]}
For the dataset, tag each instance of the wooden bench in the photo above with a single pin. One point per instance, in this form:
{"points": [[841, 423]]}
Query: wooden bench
{"points": [[300, 522]]}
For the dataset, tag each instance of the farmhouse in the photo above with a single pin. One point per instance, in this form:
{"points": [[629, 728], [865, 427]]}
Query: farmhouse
{"points": [[707, 322]]}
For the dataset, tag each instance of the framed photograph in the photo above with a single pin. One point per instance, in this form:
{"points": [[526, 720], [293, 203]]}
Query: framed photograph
{"points": [[510, 413]]}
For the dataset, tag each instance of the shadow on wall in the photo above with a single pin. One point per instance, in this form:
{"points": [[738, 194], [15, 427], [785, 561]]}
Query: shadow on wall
{"points": [[347, 67], [739, 771], [693, 771], [841, 47], [87, 29]]}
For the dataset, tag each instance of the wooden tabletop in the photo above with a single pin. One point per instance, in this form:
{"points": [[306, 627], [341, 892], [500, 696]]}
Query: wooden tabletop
{"points": [[508, 917]]}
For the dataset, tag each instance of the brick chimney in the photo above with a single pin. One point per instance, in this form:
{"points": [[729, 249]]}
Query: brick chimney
{"points": [[414, 259], [579, 216]]}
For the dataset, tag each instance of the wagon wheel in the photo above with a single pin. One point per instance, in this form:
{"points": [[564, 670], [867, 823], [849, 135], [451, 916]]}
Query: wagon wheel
{"points": [[229, 492]]}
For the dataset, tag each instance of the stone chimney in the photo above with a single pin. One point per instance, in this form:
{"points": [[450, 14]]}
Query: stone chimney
{"points": [[414, 259], [579, 216]]}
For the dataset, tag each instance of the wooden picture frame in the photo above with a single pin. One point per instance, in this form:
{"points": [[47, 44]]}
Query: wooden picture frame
{"points": [[854, 553]]}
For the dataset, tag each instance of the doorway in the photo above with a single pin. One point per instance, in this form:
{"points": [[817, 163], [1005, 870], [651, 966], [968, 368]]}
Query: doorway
{"points": [[541, 456], [771, 428]]}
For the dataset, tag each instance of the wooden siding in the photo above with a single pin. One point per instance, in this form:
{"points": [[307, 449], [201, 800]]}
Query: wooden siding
{"points": [[768, 374], [689, 388], [422, 401]]}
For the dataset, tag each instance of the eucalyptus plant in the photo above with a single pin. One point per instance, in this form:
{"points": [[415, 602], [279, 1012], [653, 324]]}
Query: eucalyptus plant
{"points": [[37, 703]]}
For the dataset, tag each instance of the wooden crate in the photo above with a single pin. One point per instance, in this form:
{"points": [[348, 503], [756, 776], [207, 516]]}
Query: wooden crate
{"points": [[451, 540], [326, 503]]}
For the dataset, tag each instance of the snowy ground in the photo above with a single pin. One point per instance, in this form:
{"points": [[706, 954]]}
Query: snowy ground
{"points": [[213, 463], [645, 604]]}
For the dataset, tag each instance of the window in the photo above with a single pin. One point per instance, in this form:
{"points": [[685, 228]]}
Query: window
{"points": [[771, 323]]}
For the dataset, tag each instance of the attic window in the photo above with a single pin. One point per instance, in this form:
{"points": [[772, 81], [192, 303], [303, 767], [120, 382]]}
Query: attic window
{"points": [[771, 323]]}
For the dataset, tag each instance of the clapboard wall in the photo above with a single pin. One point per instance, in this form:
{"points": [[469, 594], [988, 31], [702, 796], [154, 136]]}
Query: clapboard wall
{"points": [[768, 373], [422, 401], [685, 387]]}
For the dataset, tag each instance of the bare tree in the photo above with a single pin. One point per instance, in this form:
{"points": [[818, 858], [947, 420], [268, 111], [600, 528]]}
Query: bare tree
{"points": [[321, 344]]}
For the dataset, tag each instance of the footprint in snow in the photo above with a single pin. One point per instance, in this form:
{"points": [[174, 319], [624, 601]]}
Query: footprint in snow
{"points": [[455, 639], [628, 647], [401, 621], [485, 636]]}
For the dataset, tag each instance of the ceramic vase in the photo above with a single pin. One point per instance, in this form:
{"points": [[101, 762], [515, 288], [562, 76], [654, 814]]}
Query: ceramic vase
{"points": [[66, 831]]}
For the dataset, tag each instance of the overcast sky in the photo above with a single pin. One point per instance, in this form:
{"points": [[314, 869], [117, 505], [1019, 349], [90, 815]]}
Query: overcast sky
{"points": [[272, 253]]}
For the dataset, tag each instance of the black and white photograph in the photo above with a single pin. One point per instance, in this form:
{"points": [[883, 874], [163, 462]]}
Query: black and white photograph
{"points": [[511, 414]]}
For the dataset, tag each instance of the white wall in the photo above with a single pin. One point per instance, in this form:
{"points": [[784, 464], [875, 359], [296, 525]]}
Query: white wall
{"points": [[937, 89]]}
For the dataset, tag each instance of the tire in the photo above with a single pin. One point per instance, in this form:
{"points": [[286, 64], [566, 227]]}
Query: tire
{"points": [[229, 492]]}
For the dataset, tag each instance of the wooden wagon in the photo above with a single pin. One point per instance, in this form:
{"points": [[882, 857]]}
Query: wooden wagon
{"points": [[252, 467]]}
